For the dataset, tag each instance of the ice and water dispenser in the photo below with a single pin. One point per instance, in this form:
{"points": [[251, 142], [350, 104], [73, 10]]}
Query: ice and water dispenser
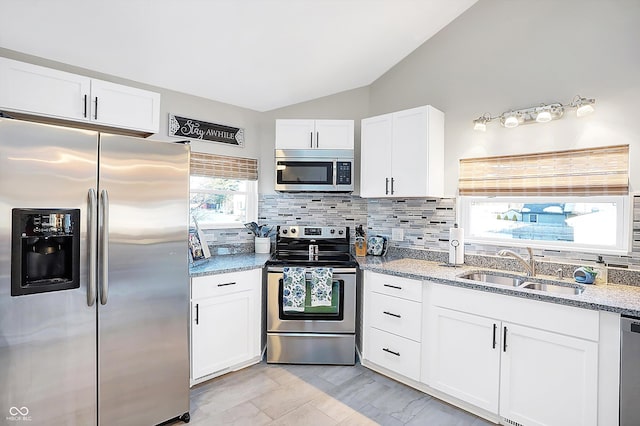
{"points": [[45, 250]]}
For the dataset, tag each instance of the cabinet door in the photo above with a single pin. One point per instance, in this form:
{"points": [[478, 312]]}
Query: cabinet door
{"points": [[465, 357], [122, 106], [375, 156], [334, 134], [33, 89], [295, 134], [409, 154], [224, 332], [548, 378]]}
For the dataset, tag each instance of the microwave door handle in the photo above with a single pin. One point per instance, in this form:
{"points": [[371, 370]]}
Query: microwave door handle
{"points": [[335, 174]]}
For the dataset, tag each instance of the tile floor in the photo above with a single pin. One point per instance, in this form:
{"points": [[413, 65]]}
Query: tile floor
{"points": [[308, 395]]}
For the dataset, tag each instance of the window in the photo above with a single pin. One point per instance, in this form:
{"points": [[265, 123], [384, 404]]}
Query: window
{"points": [[223, 191], [591, 224], [574, 200]]}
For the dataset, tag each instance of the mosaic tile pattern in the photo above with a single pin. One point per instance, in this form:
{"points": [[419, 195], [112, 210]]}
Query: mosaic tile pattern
{"points": [[425, 221], [312, 209]]}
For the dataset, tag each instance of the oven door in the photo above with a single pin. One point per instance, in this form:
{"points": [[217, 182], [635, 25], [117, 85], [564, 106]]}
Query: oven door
{"points": [[337, 318]]}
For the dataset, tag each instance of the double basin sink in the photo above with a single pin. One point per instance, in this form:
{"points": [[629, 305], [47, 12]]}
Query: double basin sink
{"points": [[521, 282]]}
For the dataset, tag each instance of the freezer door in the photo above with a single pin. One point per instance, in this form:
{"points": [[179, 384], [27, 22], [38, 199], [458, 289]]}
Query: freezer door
{"points": [[47, 339], [143, 281]]}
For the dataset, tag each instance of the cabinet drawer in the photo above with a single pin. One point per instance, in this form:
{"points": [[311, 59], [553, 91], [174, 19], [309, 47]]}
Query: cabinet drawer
{"points": [[405, 288], [395, 315], [393, 352], [232, 282]]}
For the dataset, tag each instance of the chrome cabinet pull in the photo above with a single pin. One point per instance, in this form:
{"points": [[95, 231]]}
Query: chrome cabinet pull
{"points": [[392, 314], [391, 352], [310, 139], [104, 252], [197, 314], [386, 186], [393, 286], [392, 180], [95, 112], [85, 106], [317, 139], [226, 284], [93, 245]]}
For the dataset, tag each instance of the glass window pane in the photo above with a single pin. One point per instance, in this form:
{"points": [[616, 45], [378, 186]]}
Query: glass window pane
{"points": [[218, 201], [584, 223]]}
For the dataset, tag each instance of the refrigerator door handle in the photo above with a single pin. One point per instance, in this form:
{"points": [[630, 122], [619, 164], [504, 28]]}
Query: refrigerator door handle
{"points": [[92, 234], [104, 247]]}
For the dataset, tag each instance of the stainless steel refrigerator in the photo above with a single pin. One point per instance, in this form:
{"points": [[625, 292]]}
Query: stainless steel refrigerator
{"points": [[94, 287]]}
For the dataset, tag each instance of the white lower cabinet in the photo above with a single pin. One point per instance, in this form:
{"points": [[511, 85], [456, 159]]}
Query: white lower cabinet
{"points": [[392, 323], [548, 378], [395, 353], [225, 322], [465, 357], [500, 359], [509, 359]]}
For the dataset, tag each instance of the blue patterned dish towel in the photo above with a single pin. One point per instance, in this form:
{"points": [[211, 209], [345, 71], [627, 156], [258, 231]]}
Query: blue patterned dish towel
{"points": [[293, 289], [321, 284]]}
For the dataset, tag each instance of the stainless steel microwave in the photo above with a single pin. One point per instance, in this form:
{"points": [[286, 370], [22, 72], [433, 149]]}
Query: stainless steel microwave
{"points": [[314, 170]]}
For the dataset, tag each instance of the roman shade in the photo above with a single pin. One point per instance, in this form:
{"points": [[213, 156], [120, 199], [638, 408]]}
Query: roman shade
{"points": [[587, 171], [220, 166]]}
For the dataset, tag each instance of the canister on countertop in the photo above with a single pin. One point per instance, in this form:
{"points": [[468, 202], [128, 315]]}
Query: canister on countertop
{"points": [[602, 272]]}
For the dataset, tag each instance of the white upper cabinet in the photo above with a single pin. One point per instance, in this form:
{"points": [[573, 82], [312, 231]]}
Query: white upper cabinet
{"points": [[123, 106], [45, 91], [40, 91], [375, 156], [314, 134], [402, 154]]}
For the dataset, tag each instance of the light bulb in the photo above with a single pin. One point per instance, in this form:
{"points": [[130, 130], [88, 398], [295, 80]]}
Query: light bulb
{"points": [[480, 125], [584, 110], [511, 121], [543, 116]]}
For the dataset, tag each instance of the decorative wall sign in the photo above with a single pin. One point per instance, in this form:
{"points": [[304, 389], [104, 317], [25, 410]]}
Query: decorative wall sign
{"points": [[182, 127]]}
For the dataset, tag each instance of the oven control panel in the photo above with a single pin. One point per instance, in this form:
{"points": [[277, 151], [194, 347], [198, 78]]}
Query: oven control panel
{"points": [[313, 232]]}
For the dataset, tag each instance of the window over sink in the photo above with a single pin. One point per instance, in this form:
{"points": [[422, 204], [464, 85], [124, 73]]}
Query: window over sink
{"points": [[591, 224], [573, 200]]}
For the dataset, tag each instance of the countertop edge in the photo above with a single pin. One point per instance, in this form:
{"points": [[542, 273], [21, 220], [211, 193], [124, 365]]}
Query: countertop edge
{"points": [[430, 271]]}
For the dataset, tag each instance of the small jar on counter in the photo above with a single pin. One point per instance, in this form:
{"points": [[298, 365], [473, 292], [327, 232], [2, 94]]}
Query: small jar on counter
{"points": [[602, 276]]}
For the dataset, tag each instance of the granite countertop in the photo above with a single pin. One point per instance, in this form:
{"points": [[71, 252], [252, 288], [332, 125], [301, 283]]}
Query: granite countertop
{"points": [[228, 263], [623, 299]]}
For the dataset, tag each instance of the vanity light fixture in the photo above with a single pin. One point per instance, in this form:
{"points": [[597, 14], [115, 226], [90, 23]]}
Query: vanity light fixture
{"points": [[539, 114]]}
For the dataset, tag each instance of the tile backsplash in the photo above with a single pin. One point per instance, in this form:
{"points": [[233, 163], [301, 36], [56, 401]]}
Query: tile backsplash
{"points": [[424, 221]]}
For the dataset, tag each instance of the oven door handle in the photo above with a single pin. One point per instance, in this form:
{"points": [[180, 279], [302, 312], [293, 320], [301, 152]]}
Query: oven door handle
{"points": [[335, 270]]}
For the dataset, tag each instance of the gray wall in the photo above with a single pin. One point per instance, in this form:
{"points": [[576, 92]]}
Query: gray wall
{"points": [[509, 54]]}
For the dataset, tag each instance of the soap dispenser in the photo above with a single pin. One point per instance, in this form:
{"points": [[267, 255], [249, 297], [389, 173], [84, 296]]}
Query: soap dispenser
{"points": [[602, 273]]}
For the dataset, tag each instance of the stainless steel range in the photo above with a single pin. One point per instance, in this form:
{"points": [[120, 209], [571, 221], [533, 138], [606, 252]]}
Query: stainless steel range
{"points": [[311, 333]]}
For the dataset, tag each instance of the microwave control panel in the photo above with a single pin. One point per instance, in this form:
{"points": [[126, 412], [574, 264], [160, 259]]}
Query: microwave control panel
{"points": [[343, 175]]}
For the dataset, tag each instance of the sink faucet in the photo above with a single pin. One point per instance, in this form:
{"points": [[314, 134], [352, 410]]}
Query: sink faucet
{"points": [[529, 266]]}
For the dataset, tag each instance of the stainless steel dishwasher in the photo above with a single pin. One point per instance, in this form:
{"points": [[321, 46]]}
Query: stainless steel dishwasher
{"points": [[629, 371]]}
